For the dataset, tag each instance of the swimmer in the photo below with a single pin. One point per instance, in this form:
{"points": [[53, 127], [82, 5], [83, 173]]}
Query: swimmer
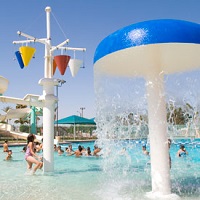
{"points": [[24, 149], [9, 156], [55, 147], [96, 150], [69, 150], [5, 146], [169, 145], [30, 155], [182, 151], [88, 152], [78, 152], [60, 151], [144, 150]]}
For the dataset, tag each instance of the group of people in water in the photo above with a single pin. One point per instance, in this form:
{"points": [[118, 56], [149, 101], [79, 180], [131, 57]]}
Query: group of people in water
{"points": [[81, 151], [180, 153], [32, 149]]}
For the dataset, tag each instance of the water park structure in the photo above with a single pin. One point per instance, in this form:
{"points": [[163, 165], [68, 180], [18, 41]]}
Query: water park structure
{"points": [[150, 50], [47, 100]]}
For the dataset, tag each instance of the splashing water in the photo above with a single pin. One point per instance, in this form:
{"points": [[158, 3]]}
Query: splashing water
{"points": [[121, 116]]}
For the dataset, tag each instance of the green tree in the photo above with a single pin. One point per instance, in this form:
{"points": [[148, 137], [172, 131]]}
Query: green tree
{"points": [[6, 109]]}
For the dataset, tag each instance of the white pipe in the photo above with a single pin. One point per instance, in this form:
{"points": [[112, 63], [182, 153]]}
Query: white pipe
{"points": [[48, 71], [69, 48], [60, 45], [43, 41], [160, 171]]}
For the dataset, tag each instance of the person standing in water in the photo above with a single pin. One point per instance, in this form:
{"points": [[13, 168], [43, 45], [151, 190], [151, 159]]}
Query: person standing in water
{"points": [[169, 145], [9, 156], [144, 150], [5, 146], [182, 151], [30, 155]]}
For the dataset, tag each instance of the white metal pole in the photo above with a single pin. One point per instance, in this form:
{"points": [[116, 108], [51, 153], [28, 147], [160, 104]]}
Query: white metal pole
{"points": [[48, 64], [49, 99], [160, 171]]}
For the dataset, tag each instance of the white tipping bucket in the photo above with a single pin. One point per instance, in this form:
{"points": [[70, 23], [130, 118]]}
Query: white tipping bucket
{"points": [[74, 66]]}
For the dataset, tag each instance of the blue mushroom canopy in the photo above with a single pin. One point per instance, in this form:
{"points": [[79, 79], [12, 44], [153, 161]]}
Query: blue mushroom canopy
{"points": [[149, 32], [153, 32]]}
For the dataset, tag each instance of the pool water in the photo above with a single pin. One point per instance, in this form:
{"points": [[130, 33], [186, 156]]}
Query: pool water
{"points": [[119, 176]]}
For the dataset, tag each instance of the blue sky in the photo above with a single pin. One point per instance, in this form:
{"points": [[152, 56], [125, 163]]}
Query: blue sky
{"points": [[85, 23]]}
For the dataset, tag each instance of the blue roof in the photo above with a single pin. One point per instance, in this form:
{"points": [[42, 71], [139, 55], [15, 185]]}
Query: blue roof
{"points": [[149, 32], [74, 119]]}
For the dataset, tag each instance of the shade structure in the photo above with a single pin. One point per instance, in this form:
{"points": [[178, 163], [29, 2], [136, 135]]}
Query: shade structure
{"points": [[19, 59], [62, 62], [75, 120], [27, 54], [74, 66]]}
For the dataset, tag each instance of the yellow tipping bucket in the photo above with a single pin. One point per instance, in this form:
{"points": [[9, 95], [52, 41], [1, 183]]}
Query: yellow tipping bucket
{"points": [[27, 54]]}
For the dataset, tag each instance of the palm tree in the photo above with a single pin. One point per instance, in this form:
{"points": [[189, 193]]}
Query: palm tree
{"points": [[6, 109], [20, 106]]}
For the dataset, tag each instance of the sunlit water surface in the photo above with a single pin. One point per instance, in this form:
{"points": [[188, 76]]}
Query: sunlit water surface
{"points": [[89, 178]]}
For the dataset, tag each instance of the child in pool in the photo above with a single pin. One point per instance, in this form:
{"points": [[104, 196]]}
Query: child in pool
{"points": [[9, 156], [182, 151], [30, 156]]}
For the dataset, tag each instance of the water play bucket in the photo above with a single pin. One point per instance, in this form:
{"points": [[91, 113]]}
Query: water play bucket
{"points": [[62, 62], [19, 59], [54, 67], [27, 54], [74, 66]]}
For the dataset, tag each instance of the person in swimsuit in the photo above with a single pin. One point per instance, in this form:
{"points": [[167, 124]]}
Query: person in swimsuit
{"points": [[182, 151], [9, 156], [144, 150], [5, 146], [69, 150], [30, 155], [78, 152]]}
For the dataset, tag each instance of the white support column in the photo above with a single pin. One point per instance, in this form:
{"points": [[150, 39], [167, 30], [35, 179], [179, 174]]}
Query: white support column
{"points": [[49, 100], [48, 122], [160, 170]]}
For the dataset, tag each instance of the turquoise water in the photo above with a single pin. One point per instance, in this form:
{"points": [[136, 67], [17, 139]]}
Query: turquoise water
{"points": [[118, 177]]}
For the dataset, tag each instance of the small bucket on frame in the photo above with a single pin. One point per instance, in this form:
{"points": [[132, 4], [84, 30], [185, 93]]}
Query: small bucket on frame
{"points": [[62, 62], [74, 66], [27, 54], [19, 59]]}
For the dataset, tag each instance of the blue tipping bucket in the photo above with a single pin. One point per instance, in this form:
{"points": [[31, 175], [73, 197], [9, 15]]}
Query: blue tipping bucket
{"points": [[19, 59]]}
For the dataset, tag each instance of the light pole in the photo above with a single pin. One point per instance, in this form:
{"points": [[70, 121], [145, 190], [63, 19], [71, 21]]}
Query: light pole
{"points": [[82, 108], [79, 113], [60, 83]]}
